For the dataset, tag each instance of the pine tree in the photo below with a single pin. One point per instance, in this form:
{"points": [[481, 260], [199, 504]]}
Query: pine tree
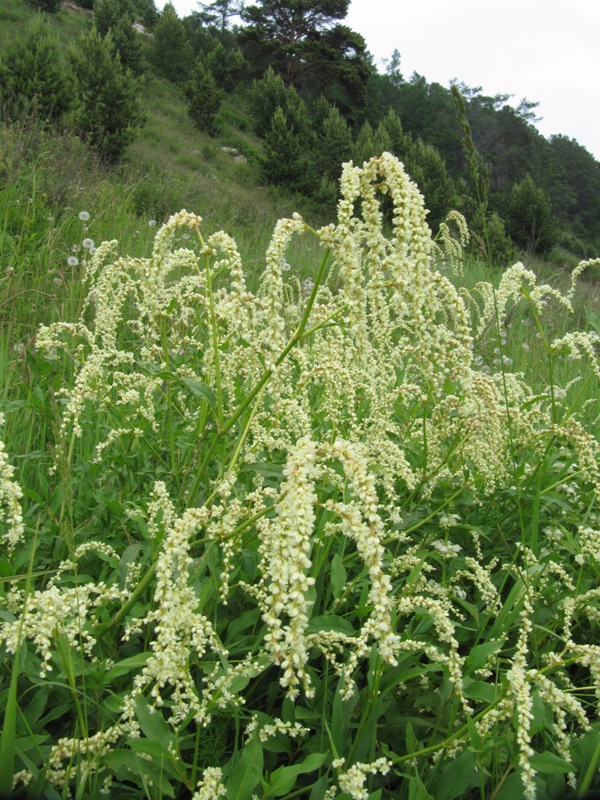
{"points": [[427, 169], [282, 162], [34, 80], [108, 107], [271, 93], [204, 98], [334, 145], [370, 143], [171, 51], [117, 16]]}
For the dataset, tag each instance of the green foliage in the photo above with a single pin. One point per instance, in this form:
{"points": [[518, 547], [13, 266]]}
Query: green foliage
{"points": [[108, 109], [302, 43], [370, 143], [47, 6], [283, 163], [227, 66], [334, 145], [117, 16], [529, 219], [204, 98], [219, 12], [393, 127], [171, 52], [34, 80], [270, 93], [254, 497], [427, 168]]}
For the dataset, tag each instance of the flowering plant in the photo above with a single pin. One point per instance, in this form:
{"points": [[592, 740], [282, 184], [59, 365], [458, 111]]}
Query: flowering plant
{"points": [[314, 561]]}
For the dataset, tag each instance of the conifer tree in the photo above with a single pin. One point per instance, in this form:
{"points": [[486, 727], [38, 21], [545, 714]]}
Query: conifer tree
{"points": [[271, 93], [282, 162], [204, 98], [34, 79], [370, 143], [334, 145], [117, 16], [108, 110], [171, 51]]}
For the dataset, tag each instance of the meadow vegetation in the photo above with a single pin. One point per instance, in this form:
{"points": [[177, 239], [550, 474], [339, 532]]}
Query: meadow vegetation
{"points": [[327, 528], [292, 505]]}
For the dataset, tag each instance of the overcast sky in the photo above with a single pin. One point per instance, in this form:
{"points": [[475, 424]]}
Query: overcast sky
{"points": [[545, 50]]}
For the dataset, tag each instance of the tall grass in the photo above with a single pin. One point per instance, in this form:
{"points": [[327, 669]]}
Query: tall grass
{"points": [[325, 530]]}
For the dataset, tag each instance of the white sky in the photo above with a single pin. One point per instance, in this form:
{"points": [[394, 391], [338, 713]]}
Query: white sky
{"points": [[545, 50]]}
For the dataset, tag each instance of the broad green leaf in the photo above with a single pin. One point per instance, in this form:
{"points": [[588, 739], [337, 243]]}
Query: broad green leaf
{"points": [[337, 575], [247, 773], [129, 557], [153, 724], [341, 715], [126, 665], [265, 468], [480, 654], [283, 779], [329, 622], [199, 389], [417, 790], [456, 777], [549, 763], [479, 690]]}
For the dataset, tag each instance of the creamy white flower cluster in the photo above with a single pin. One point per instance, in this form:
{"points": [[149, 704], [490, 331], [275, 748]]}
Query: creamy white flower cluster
{"points": [[11, 516]]}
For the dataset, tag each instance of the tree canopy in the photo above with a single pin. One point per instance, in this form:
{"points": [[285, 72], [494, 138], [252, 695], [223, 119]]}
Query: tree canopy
{"points": [[305, 43]]}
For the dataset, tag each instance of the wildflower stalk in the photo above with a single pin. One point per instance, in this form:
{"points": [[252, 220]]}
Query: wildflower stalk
{"points": [[214, 338], [252, 395]]}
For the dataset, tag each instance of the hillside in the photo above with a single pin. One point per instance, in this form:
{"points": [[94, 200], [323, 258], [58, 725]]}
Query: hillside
{"points": [[541, 197]]}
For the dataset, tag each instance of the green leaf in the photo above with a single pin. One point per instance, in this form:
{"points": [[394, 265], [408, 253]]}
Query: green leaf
{"points": [[417, 790], [265, 468], [247, 773], [153, 724], [480, 654], [329, 622], [337, 575], [283, 779], [479, 690], [7, 738], [456, 777], [126, 665], [129, 556], [550, 764], [200, 390]]}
